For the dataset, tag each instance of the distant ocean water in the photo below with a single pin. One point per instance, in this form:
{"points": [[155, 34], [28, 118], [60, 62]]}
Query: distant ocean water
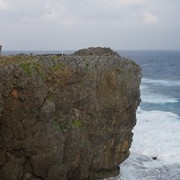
{"points": [[157, 133], [6, 53]]}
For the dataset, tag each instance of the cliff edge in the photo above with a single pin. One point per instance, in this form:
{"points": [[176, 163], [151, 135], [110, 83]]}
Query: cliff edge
{"points": [[66, 117]]}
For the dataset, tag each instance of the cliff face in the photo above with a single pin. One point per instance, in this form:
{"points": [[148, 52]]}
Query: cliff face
{"points": [[66, 117]]}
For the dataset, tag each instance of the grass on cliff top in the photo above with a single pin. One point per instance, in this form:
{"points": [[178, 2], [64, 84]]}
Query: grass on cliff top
{"points": [[15, 59]]}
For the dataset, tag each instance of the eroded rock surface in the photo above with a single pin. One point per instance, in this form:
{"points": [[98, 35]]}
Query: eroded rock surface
{"points": [[96, 51], [66, 117]]}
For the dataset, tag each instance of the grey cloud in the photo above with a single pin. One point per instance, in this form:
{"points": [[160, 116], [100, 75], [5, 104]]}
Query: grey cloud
{"points": [[121, 24], [20, 10]]}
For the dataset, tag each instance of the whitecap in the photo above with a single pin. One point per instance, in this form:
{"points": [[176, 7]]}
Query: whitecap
{"points": [[160, 82], [149, 97], [145, 168], [157, 134], [157, 98]]}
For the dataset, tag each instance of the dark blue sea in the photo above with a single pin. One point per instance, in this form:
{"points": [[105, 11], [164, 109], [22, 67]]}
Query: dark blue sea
{"points": [[155, 151], [160, 86]]}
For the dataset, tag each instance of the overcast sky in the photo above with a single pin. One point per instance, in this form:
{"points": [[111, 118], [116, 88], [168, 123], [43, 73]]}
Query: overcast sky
{"points": [[75, 24]]}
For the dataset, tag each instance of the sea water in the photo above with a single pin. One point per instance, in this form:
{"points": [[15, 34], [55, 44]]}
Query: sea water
{"points": [[155, 150]]}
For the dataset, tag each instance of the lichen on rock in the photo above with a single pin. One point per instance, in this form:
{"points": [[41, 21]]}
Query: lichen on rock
{"points": [[66, 117]]}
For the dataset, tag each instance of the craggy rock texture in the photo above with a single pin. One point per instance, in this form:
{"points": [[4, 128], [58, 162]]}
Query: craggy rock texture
{"points": [[98, 51], [66, 117]]}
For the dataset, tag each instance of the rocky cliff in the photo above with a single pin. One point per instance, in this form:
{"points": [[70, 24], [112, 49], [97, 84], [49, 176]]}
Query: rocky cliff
{"points": [[66, 117]]}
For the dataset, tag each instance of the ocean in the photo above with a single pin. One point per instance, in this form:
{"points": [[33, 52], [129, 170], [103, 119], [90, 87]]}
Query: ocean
{"points": [[155, 150]]}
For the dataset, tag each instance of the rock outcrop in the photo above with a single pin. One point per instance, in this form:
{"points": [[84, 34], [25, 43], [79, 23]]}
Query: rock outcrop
{"points": [[66, 117], [98, 51]]}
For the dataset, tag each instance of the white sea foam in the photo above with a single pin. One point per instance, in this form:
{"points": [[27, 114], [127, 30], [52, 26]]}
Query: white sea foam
{"points": [[139, 167], [157, 99], [160, 82], [155, 135], [149, 97]]}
